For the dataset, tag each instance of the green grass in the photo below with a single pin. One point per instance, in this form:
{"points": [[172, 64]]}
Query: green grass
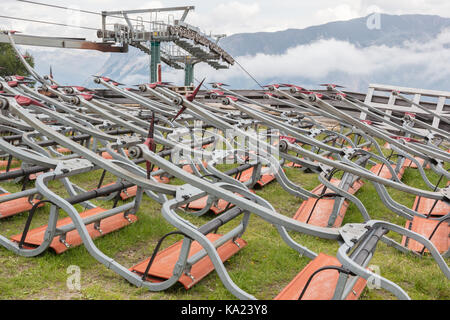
{"points": [[263, 268]]}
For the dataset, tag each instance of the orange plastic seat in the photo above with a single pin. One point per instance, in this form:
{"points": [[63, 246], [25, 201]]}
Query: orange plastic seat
{"points": [[165, 261], [187, 167], [36, 236], [293, 165], [218, 208], [426, 204], [323, 208], [132, 191], [425, 227], [409, 164], [107, 156], [321, 214], [246, 175], [323, 284], [385, 173], [16, 206], [4, 163], [129, 193], [352, 190], [161, 178], [63, 150]]}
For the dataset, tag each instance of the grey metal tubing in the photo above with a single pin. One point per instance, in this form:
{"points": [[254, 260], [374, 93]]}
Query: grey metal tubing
{"points": [[137, 98], [70, 187], [24, 62], [293, 133], [213, 189], [331, 108], [417, 163], [158, 197], [48, 238], [422, 108], [128, 116], [385, 162], [93, 132], [439, 131], [302, 250], [160, 95], [212, 109], [88, 242], [351, 283], [297, 109], [208, 247], [27, 156], [17, 195], [27, 139], [95, 218], [86, 153], [429, 147], [133, 118], [303, 162], [14, 123], [433, 195], [381, 118], [387, 199], [219, 242], [368, 138], [418, 151], [362, 209], [266, 115], [365, 174], [394, 206], [174, 96], [439, 169], [243, 98], [374, 110], [348, 263], [288, 185], [158, 138], [58, 104], [171, 217], [308, 106]]}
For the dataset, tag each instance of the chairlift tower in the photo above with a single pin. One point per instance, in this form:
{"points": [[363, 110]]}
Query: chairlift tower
{"points": [[174, 42]]}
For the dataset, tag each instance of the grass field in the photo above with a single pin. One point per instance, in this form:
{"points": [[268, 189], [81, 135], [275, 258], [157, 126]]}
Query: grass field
{"points": [[263, 268]]}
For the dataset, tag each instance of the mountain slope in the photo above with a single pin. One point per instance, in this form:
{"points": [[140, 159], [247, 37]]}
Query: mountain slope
{"points": [[393, 32]]}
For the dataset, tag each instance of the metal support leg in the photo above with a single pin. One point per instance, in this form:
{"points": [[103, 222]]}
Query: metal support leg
{"points": [[189, 74], [155, 60]]}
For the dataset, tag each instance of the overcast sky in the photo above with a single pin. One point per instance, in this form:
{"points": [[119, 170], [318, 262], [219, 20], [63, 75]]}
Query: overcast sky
{"points": [[218, 16]]}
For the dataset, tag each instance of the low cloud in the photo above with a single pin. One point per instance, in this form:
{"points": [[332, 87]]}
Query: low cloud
{"points": [[323, 59]]}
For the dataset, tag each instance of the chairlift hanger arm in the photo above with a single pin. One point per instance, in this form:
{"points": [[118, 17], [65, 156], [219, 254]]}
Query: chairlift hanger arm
{"points": [[186, 9], [66, 43]]}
